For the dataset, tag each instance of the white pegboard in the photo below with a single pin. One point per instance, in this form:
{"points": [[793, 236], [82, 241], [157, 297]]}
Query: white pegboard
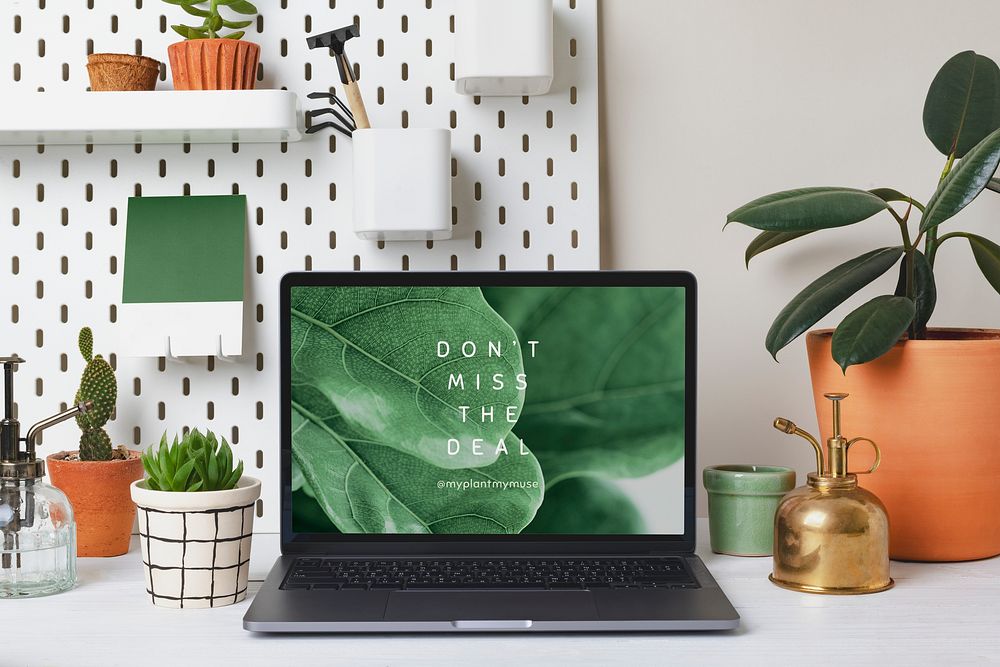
{"points": [[526, 190]]}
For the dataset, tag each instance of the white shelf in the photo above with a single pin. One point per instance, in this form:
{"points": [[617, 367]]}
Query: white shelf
{"points": [[161, 117]]}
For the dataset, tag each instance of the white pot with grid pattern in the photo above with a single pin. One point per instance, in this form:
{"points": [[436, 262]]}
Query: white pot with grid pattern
{"points": [[196, 546]]}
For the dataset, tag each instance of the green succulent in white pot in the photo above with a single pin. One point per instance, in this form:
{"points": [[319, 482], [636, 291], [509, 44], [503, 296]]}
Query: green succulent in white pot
{"points": [[195, 512]]}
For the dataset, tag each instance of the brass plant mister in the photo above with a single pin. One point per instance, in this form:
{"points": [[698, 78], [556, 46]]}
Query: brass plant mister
{"points": [[832, 536]]}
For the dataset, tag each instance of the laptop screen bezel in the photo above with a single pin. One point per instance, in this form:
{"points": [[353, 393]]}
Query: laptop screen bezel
{"points": [[326, 543]]}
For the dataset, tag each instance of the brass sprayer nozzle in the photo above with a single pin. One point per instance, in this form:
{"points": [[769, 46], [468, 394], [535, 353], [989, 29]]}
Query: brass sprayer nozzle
{"points": [[788, 427]]}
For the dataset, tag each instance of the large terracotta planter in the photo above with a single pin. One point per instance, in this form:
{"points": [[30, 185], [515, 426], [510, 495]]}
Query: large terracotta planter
{"points": [[214, 64], [101, 499], [933, 406]]}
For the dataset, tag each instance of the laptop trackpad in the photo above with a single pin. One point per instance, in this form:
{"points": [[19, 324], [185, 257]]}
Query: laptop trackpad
{"points": [[491, 606]]}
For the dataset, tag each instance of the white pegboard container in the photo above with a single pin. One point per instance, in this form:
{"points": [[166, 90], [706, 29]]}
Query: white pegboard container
{"points": [[402, 185], [525, 182], [504, 48]]}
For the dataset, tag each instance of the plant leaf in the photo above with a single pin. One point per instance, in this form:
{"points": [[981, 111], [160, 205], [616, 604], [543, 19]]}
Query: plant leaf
{"points": [[236, 25], [587, 506], [373, 354], [964, 184], [987, 255], [963, 105], [235, 35], [364, 485], [243, 7], [809, 210], [872, 330], [769, 241], [610, 403], [194, 11], [187, 32], [831, 290], [925, 289]]}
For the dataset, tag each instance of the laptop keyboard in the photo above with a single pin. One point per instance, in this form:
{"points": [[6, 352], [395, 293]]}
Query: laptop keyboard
{"points": [[497, 573]]}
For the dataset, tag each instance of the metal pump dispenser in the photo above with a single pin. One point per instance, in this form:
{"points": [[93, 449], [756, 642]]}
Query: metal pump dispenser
{"points": [[832, 536], [39, 544]]}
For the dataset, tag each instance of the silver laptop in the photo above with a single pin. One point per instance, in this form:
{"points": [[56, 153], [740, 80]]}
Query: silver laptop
{"points": [[488, 453]]}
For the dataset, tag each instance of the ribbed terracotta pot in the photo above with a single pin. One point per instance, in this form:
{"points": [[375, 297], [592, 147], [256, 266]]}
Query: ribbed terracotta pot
{"points": [[101, 499], [214, 64], [933, 407]]}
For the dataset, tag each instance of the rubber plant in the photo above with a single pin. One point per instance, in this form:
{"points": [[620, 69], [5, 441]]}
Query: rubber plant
{"points": [[962, 120]]}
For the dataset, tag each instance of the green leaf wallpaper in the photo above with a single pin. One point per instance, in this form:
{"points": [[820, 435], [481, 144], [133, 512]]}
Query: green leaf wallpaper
{"points": [[496, 411]]}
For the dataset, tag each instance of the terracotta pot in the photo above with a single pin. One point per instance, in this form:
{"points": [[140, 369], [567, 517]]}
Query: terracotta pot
{"points": [[214, 64], [931, 405], [119, 71], [101, 499]]}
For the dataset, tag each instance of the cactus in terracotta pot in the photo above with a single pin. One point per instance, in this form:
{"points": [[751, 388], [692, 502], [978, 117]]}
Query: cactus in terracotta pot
{"points": [[98, 385]]}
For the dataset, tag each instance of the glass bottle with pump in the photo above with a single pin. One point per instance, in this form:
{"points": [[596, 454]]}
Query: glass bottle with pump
{"points": [[36, 520]]}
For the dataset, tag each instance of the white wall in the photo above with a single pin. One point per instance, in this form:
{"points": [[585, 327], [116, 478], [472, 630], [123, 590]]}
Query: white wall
{"points": [[711, 103]]}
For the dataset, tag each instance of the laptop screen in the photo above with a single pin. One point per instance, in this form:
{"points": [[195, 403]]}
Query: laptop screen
{"points": [[488, 411]]}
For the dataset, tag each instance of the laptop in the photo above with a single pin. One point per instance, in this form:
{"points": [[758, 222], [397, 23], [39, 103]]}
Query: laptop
{"points": [[507, 452]]}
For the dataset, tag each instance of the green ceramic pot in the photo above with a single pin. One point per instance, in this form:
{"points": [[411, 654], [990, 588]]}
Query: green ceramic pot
{"points": [[742, 501]]}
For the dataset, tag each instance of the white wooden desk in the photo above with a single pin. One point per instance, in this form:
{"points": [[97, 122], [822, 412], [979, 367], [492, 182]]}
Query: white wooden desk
{"points": [[937, 614]]}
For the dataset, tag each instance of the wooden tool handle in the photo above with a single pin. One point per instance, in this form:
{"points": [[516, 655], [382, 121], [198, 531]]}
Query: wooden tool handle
{"points": [[357, 104]]}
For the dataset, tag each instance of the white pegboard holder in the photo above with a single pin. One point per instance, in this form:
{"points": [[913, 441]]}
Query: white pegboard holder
{"points": [[525, 183]]}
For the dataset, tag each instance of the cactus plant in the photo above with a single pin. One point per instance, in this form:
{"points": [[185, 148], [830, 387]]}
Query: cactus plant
{"points": [[99, 386], [195, 463]]}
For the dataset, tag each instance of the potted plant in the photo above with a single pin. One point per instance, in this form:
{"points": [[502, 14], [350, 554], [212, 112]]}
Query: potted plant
{"points": [[96, 478], [195, 522], [927, 396], [210, 57], [122, 72]]}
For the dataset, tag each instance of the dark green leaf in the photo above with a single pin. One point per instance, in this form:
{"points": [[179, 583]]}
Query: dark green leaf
{"points": [[872, 330], [964, 184], [924, 288], [963, 105], [827, 293], [770, 240], [586, 506], [610, 403], [889, 195], [809, 210], [987, 255]]}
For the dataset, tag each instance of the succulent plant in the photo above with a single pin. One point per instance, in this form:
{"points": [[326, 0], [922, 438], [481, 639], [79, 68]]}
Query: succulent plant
{"points": [[98, 385], [195, 463], [212, 20]]}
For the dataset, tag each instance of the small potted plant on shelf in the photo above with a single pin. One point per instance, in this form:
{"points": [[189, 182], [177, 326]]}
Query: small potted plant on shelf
{"points": [[213, 55], [96, 478], [927, 396], [196, 513], [122, 72]]}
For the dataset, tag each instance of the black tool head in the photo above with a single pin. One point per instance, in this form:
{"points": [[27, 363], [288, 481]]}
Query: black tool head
{"points": [[335, 39]]}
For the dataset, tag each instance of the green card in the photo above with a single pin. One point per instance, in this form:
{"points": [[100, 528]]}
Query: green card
{"points": [[185, 249]]}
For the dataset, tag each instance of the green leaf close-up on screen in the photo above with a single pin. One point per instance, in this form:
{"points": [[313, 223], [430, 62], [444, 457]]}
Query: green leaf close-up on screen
{"points": [[606, 386], [587, 506], [373, 353], [368, 486]]}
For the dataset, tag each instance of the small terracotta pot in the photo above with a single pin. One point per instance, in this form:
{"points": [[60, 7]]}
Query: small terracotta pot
{"points": [[931, 405], [101, 499], [119, 72], [214, 64]]}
